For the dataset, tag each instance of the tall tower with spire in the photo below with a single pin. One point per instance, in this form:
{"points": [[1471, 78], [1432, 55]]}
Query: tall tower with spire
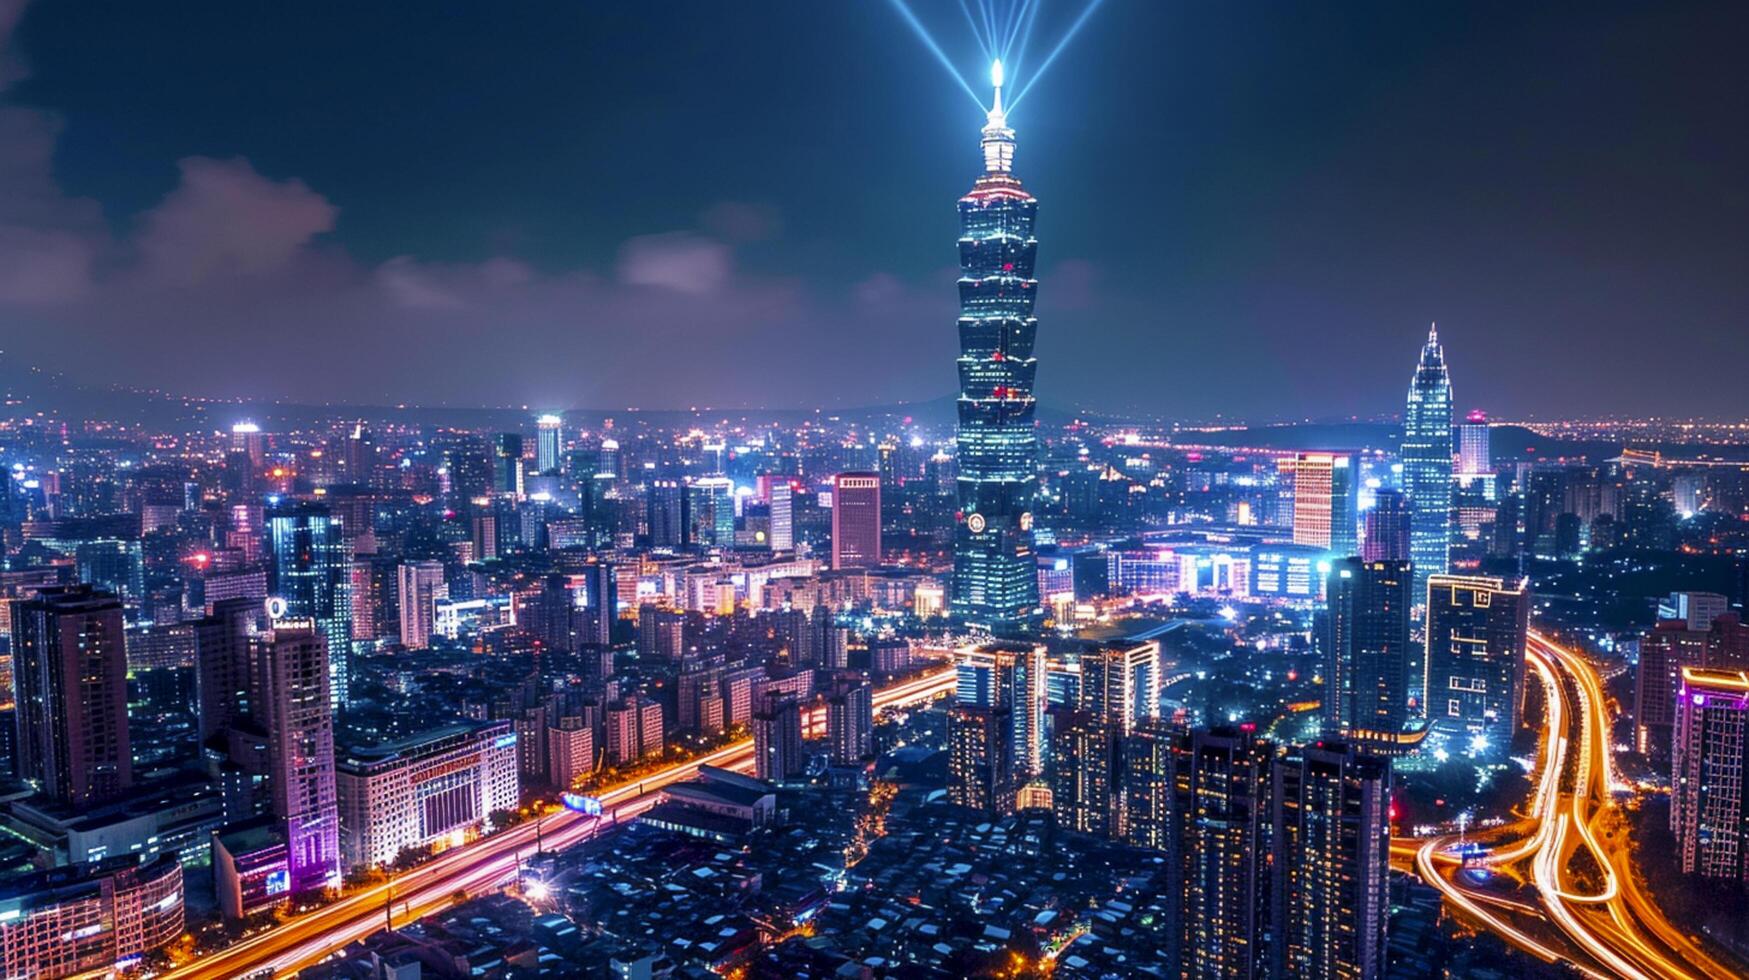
{"points": [[995, 581], [1426, 453]]}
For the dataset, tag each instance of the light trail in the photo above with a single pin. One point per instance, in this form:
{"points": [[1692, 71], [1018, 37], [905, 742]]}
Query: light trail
{"points": [[483, 865]]}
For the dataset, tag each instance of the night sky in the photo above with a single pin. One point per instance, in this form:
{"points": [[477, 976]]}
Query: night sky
{"points": [[1245, 209]]}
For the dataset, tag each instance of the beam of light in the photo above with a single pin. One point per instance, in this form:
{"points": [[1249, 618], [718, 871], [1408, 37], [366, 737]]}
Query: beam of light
{"points": [[1010, 30], [1029, 16], [972, 22], [940, 55], [1074, 29], [989, 22]]}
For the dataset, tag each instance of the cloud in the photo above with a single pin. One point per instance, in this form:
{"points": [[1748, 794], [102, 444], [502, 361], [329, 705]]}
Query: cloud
{"points": [[678, 260], [224, 219], [12, 66], [738, 221], [48, 241]]}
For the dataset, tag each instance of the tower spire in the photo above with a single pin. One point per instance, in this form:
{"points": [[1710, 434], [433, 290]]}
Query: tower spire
{"points": [[998, 139], [1433, 333]]}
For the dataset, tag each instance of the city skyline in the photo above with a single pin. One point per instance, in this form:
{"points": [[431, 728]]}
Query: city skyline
{"points": [[115, 188]]}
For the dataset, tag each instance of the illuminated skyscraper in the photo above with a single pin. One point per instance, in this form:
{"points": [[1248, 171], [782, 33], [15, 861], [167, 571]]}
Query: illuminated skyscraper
{"points": [[1120, 683], [856, 520], [311, 572], [1085, 775], [995, 583], [1324, 502], [70, 679], [1474, 455], [421, 584], [549, 442], [1476, 631], [1221, 786], [1709, 784], [1387, 528], [980, 758], [1331, 863], [777, 738], [291, 689], [1367, 655], [1426, 452]]}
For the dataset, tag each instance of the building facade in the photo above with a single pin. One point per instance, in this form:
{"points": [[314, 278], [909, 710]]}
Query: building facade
{"points": [[856, 520], [994, 582], [1426, 455], [1476, 629], [438, 788]]}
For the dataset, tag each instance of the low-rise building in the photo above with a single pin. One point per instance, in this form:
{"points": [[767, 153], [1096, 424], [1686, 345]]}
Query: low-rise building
{"points": [[96, 916]]}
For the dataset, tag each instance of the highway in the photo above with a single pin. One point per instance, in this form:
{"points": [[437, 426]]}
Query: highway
{"points": [[485, 864], [1569, 848]]}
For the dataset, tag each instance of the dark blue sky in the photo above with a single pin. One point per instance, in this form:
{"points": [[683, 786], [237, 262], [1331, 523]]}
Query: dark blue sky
{"points": [[1245, 209]]}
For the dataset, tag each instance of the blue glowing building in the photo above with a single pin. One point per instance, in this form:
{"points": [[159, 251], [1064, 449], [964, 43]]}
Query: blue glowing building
{"points": [[1426, 452], [995, 583]]}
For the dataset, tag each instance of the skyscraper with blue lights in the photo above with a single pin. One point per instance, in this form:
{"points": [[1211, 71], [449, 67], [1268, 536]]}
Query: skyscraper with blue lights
{"points": [[995, 585], [1426, 452]]}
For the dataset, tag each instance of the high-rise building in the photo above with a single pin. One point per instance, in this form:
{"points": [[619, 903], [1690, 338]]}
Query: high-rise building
{"points": [[1475, 458], [1009, 675], [777, 738], [1120, 683], [601, 596], [1387, 528], [1696, 610], [1147, 787], [291, 686], [507, 463], [1331, 863], [1476, 630], [665, 513], [311, 576], [221, 655], [549, 443], [710, 512], [1709, 780], [994, 580], [1665, 651], [980, 757], [1221, 797], [69, 671], [1426, 454], [850, 721], [1085, 774], [1368, 658], [856, 520], [1324, 502], [420, 585], [783, 522]]}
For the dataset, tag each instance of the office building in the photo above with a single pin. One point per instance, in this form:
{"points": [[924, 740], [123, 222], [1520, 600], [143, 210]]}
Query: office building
{"points": [[783, 522], [221, 653], [665, 513], [434, 789], [310, 574], [1368, 658], [420, 585], [1665, 651], [291, 684], [69, 670], [1476, 630], [549, 443], [1330, 863], [1426, 454], [1386, 537], [980, 758], [994, 580], [1009, 675], [1221, 782], [1324, 502], [709, 506], [1709, 805], [777, 738], [1475, 458], [1695, 610], [570, 752], [856, 520]]}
